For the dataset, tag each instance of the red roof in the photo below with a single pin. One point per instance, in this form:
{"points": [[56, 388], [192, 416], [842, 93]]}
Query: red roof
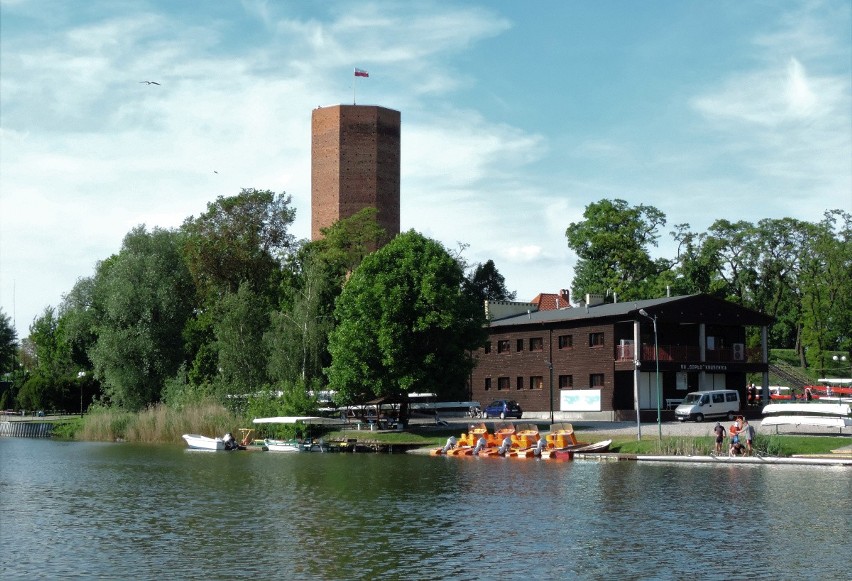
{"points": [[552, 301]]}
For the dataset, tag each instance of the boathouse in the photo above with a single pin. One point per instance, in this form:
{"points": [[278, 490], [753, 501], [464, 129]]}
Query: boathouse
{"points": [[602, 360]]}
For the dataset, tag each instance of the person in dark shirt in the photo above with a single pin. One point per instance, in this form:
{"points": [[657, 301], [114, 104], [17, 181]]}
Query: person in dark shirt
{"points": [[719, 430]]}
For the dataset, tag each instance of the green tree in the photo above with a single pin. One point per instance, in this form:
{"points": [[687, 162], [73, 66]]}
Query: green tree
{"points": [[297, 341], [298, 337], [346, 242], [146, 294], [696, 267], [9, 371], [735, 245], [243, 320], [8, 344], [825, 284], [612, 245], [243, 238], [486, 283], [79, 318], [404, 324]]}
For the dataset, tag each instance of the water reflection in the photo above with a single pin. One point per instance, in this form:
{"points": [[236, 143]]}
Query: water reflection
{"points": [[155, 511]]}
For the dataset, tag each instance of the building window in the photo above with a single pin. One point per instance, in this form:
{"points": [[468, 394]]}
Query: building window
{"points": [[566, 381], [502, 383], [596, 380], [566, 341], [536, 344], [503, 346], [519, 382], [596, 339], [519, 345], [536, 382], [487, 383], [488, 348]]}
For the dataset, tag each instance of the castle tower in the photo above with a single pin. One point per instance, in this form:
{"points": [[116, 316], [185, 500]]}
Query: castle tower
{"points": [[355, 163]]}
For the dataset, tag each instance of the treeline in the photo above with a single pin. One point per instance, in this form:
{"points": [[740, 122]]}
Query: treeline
{"points": [[230, 307], [798, 272]]}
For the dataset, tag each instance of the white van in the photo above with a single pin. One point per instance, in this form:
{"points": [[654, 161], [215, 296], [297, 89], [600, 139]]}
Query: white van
{"points": [[705, 404]]}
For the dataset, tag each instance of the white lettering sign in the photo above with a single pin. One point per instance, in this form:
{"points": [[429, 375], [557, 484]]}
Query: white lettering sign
{"points": [[580, 400]]}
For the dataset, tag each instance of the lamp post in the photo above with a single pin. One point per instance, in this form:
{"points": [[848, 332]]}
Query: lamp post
{"points": [[80, 376], [843, 359], [550, 365], [644, 313]]}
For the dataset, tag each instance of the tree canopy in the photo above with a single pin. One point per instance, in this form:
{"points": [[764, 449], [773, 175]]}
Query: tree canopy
{"points": [[404, 324], [8, 343], [486, 283], [147, 297], [239, 239], [613, 249]]}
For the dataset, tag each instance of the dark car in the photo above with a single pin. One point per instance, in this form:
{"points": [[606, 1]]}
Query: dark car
{"points": [[503, 408]]}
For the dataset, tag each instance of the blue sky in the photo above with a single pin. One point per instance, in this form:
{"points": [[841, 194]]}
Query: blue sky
{"points": [[515, 117]]}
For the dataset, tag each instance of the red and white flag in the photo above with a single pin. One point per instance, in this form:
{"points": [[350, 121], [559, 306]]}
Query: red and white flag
{"points": [[361, 73]]}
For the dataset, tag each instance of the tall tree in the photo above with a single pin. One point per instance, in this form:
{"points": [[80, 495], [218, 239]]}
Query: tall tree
{"points": [[697, 265], [735, 243], [612, 245], [8, 361], [8, 343], [298, 336], [404, 324], [313, 279], [825, 283], [50, 381], [243, 319], [146, 294], [243, 238], [486, 283]]}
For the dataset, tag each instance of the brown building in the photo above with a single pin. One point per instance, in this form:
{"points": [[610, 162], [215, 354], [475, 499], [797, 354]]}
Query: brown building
{"points": [[598, 360], [355, 163]]}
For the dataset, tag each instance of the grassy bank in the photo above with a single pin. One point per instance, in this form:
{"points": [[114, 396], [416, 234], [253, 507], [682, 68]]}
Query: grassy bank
{"points": [[156, 424]]}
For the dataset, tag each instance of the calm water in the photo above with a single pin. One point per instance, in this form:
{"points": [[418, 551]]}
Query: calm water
{"points": [[88, 510]]}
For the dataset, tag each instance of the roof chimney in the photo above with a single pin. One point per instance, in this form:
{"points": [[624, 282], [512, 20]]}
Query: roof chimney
{"points": [[593, 300]]}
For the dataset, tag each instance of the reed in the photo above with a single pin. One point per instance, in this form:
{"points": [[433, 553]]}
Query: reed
{"points": [[158, 423]]}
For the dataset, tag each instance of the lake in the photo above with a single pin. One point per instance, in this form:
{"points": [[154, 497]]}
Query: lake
{"points": [[108, 511]]}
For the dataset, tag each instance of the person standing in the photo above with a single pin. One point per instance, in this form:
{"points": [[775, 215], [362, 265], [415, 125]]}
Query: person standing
{"points": [[719, 430], [747, 432], [734, 431]]}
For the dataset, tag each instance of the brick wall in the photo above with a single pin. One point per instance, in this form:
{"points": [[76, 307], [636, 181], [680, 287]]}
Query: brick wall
{"points": [[579, 361], [355, 163]]}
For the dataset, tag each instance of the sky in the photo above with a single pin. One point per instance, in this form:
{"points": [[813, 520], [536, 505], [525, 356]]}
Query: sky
{"points": [[515, 117]]}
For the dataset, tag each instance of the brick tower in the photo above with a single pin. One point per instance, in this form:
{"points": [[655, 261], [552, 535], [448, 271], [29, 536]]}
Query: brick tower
{"points": [[354, 164]]}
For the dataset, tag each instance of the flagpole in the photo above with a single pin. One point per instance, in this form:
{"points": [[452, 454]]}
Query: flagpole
{"points": [[358, 73]]}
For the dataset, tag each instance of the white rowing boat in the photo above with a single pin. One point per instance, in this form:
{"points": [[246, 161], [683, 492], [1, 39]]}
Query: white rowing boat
{"points": [[829, 415], [199, 442]]}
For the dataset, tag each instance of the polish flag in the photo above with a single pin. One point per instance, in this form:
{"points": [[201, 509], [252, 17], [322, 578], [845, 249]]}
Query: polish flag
{"points": [[361, 73]]}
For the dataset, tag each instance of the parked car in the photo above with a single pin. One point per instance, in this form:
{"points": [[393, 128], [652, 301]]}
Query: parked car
{"points": [[706, 404], [502, 408]]}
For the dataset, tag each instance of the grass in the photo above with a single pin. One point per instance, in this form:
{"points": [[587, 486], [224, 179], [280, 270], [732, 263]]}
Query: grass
{"points": [[782, 445], [156, 424]]}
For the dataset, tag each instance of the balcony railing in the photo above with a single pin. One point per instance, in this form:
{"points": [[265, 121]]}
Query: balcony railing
{"points": [[683, 353]]}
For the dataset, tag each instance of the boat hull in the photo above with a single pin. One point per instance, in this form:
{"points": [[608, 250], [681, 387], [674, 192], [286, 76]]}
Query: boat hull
{"points": [[283, 446], [199, 442]]}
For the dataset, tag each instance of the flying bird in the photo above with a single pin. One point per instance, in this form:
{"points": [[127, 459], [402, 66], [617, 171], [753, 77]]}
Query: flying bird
{"points": [[150, 82]]}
